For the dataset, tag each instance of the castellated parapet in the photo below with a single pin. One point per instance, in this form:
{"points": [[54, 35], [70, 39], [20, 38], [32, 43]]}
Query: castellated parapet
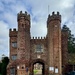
{"points": [[25, 16], [26, 51], [38, 38], [54, 17], [13, 33]]}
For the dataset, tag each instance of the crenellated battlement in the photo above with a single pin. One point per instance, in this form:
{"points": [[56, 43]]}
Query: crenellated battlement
{"points": [[14, 29], [21, 15], [54, 16], [13, 32], [38, 38]]}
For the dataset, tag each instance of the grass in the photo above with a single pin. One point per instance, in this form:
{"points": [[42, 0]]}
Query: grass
{"points": [[35, 71]]}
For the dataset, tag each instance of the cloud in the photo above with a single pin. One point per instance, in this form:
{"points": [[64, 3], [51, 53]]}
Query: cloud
{"points": [[4, 40], [38, 10], [38, 29]]}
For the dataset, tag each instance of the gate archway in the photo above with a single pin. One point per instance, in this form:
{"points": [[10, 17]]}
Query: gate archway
{"points": [[40, 67]]}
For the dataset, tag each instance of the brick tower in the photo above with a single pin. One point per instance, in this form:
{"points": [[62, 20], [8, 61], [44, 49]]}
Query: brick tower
{"points": [[23, 40], [25, 52], [54, 43]]}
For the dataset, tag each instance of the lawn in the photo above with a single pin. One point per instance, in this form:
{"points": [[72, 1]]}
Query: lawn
{"points": [[35, 71]]}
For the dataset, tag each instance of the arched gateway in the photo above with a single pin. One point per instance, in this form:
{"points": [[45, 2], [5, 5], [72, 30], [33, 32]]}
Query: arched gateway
{"points": [[27, 54], [38, 63]]}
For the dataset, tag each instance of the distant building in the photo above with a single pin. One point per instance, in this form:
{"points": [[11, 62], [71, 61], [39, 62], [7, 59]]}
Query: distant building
{"points": [[50, 51]]}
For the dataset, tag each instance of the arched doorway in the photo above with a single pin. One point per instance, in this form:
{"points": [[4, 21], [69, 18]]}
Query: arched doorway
{"points": [[38, 67]]}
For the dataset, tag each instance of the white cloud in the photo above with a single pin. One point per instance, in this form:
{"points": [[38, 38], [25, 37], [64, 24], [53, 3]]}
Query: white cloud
{"points": [[39, 13], [39, 29], [16, 8], [4, 40], [10, 18], [3, 29], [7, 2]]}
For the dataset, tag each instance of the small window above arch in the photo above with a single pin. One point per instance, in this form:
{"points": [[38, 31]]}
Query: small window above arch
{"points": [[39, 48]]}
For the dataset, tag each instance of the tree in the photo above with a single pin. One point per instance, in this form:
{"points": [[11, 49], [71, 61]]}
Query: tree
{"points": [[72, 60], [71, 40], [5, 62], [71, 46], [0, 67]]}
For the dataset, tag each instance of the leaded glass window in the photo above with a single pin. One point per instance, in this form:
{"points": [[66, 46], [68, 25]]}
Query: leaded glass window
{"points": [[12, 71], [39, 48], [14, 57]]}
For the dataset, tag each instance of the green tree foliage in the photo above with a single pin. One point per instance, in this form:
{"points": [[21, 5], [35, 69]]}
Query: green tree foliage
{"points": [[71, 43], [0, 67], [5, 60], [71, 47], [72, 60], [4, 64], [71, 40]]}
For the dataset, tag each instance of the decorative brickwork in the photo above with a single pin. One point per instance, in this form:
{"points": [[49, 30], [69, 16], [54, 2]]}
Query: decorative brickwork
{"points": [[26, 51]]}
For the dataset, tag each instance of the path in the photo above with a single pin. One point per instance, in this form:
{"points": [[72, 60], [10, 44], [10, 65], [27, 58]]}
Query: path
{"points": [[39, 72]]}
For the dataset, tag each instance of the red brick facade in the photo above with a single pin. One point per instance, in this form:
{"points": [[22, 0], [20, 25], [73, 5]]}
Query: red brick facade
{"points": [[24, 51]]}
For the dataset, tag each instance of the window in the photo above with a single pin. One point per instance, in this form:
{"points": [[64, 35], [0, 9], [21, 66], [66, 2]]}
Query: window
{"points": [[22, 67], [14, 57], [14, 44], [12, 71], [39, 48]]}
